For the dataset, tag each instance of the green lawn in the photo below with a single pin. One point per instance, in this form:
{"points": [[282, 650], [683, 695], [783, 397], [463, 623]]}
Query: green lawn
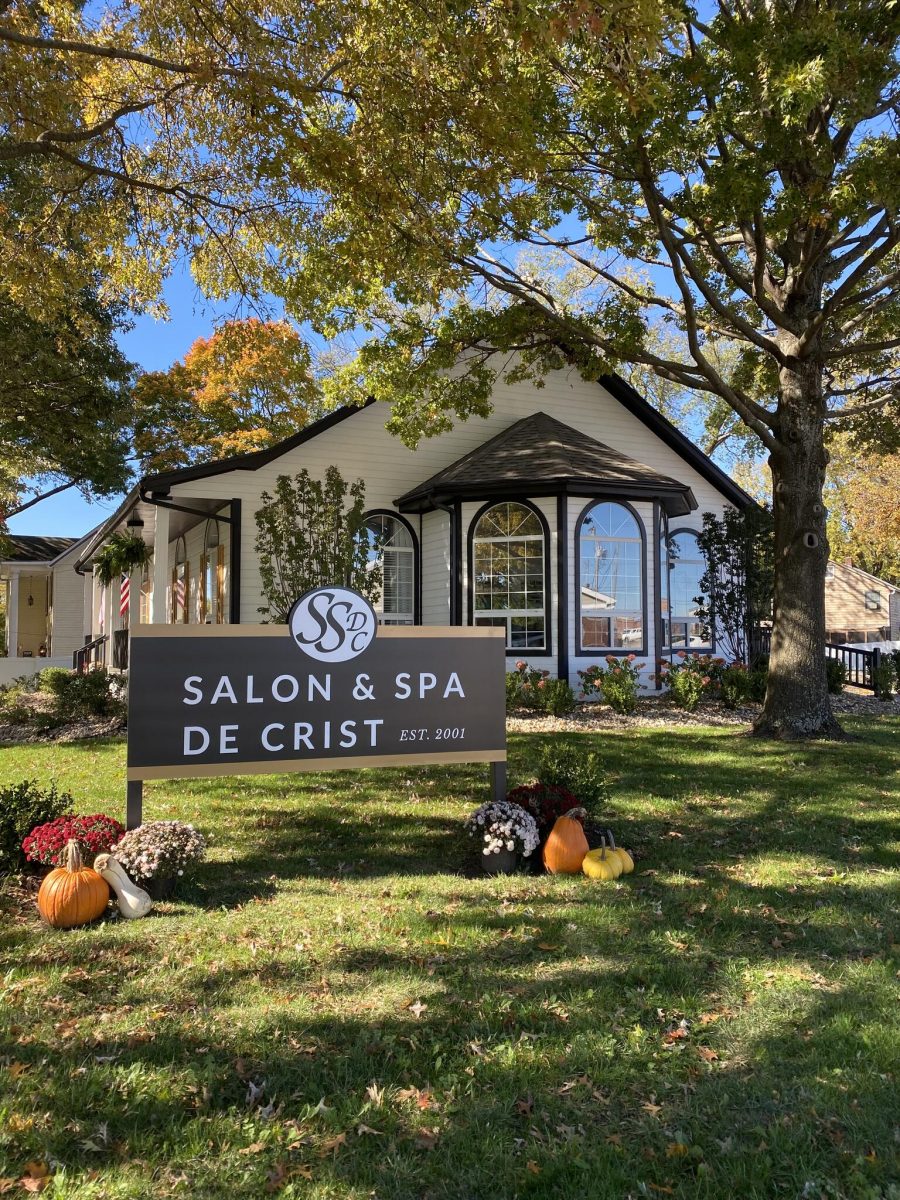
{"points": [[339, 1007]]}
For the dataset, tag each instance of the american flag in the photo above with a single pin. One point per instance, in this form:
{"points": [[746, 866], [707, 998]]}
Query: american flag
{"points": [[179, 593], [124, 595]]}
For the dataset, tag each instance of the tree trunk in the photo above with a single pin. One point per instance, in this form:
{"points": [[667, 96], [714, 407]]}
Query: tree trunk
{"points": [[797, 703]]}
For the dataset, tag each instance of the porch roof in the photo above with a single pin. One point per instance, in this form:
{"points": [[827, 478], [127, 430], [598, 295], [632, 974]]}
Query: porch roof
{"points": [[542, 456], [32, 548]]}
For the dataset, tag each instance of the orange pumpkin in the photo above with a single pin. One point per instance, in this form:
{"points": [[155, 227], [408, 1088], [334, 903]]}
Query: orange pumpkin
{"points": [[72, 894], [566, 845]]}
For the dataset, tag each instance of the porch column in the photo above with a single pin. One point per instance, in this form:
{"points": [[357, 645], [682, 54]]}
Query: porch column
{"points": [[134, 599], [158, 613], [12, 616], [87, 615]]}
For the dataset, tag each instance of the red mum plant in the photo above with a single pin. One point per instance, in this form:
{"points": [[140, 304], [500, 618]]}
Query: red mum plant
{"points": [[545, 802], [95, 834]]}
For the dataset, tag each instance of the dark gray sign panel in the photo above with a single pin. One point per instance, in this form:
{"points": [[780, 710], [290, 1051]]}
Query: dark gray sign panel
{"points": [[328, 691]]}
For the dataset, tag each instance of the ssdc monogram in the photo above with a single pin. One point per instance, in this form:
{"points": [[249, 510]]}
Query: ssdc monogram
{"points": [[332, 624]]}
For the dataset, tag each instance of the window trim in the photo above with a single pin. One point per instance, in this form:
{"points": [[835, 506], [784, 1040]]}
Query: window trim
{"points": [[622, 652], [545, 651], [417, 571], [867, 602], [710, 646]]}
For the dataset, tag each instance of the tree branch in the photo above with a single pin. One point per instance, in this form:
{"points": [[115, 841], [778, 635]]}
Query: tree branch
{"points": [[62, 487]]}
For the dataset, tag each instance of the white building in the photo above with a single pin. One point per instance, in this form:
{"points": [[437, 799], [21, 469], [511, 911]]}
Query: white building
{"points": [[548, 518]]}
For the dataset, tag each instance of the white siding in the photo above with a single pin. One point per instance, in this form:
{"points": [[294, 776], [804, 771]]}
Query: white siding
{"points": [[67, 621], [435, 560]]}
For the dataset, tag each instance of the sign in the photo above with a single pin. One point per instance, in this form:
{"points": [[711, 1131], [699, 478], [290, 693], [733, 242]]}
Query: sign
{"points": [[330, 689]]}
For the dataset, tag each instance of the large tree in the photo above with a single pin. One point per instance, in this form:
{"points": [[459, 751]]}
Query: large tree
{"points": [[246, 386], [750, 164], [65, 404]]}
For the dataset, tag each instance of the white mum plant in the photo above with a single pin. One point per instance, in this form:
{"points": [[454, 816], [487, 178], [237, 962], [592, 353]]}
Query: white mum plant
{"points": [[159, 849], [502, 825]]}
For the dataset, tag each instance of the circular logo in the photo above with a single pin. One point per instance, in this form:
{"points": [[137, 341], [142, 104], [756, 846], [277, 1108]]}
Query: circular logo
{"points": [[332, 624]]}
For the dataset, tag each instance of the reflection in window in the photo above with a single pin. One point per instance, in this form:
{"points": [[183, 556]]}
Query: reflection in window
{"points": [[508, 578], [681, 628], [610, 596], [391, 546], [180, 584], [212, 576]]}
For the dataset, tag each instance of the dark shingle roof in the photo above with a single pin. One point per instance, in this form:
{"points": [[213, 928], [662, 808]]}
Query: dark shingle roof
{"points": [[31, 548], [542, 455]]}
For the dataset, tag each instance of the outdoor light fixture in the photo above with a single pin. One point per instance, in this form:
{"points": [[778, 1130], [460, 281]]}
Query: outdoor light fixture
{"points": [[30, 597], [134, 521]]}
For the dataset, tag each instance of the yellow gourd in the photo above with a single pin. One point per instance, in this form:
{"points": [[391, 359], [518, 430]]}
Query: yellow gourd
{"points": [[602, 863], [624, 857]]}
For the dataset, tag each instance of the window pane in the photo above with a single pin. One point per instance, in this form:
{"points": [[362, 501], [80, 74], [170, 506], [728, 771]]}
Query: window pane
{"points": [[508, 572], [390, 546], [610, 553], [686, 570]]}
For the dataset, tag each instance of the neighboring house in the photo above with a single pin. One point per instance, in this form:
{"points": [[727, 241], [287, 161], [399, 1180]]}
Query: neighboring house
{"points": [[550, 527], [858, 606], [44, 602]]}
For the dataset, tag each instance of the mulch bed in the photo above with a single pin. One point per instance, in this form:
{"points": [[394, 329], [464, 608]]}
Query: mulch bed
{"points": [[656, 711]]}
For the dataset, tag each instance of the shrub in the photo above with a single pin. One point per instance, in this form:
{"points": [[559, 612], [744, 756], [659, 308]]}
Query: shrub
{"points": [[54, 680], [618, 682], [22, 806], [558, 697], [93, 694], [836, 675], [544, 801], [12, 706], [690, 677], [884, 678], [736, 685], [527, 687], [160, 849], [576, 770], [757, 680]]}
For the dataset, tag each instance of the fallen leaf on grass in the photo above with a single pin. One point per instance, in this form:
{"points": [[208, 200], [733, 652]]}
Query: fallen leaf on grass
{"points": [[364, 1129], [707, 1054], [676, 1150], [253, 1148], [416, 1008], [661, 1187], [426, 1139], [36, 1177], [525, 1106], [547, 946], [614, 1139], [332, 1145], [17, 1068], [533, 1167], [7, 1185], [653, 1109], [423, 1098]]}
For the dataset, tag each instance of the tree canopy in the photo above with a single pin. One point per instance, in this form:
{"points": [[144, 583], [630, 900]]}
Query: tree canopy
{"points": [[246, 386], [65, 403]]}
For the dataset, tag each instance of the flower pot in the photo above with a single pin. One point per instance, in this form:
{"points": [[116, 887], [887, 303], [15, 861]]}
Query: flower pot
{"points": [[162, 887], [500, 862]]}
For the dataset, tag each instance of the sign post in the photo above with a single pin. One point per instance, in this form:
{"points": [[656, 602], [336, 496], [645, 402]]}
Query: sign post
{"points": [[330, 690]]}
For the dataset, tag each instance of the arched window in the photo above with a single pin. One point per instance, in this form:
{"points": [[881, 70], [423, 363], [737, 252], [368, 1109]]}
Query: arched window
{"points": [[611, 581], [391, 546], [508, 574], [212, 576], [681, 628], [180, 584]]}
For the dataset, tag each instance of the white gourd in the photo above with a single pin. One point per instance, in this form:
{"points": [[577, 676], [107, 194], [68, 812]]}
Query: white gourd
{"points": [[133, 901]]}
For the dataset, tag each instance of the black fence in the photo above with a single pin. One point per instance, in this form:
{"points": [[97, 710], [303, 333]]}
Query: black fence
{"points": [[91, 654], [860, 666]]}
